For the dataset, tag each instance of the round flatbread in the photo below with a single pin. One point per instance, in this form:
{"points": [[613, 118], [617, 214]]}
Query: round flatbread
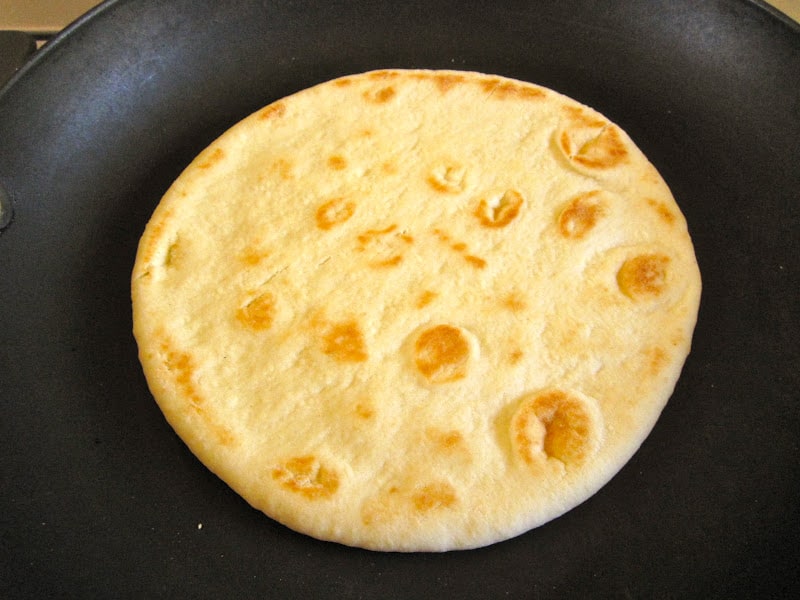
{"points": [[416, 310]]}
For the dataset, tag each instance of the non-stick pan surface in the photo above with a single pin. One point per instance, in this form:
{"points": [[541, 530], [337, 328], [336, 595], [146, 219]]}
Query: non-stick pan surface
{"points": [[99, 498]]}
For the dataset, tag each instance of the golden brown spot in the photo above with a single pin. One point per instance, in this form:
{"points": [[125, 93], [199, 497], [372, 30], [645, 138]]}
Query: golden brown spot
{"points": [[251, 256], [442, 353], [277, 109], [365, 411], [663, 211], [383, 74], [334, 212], [515, 356], [643, 276], [502, 90], [337, 163], [446, 440], [603, 151], [380, 96], [433, 496], [181, 365], [213, 158], [448, 178], [385, 246], [389, 167], [489, 84], [501, 211], [343, 82], [461, 248], [581, 215], [305, 475], [442, 235], [657, 359], [445, 81], [381, 508], [555, 424], [426, 298], [259, 313], [371, 234], [475, 261], [388, 262], [284, 167], [366, 133], [510, 89], [344, 342], [515, 302], [580, 117]]}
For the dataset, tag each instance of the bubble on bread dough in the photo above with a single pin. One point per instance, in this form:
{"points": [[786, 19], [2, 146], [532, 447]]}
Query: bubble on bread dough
{"points": [[644, 276], [581, 214], [593, 147], [499, 210], [306, 476], [448, 177], [334, 212], [175, 252], [555, 425], [442, 353]]}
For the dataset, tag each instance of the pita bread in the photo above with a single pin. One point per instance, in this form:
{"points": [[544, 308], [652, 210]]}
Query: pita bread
{"points": [[416, 310]]}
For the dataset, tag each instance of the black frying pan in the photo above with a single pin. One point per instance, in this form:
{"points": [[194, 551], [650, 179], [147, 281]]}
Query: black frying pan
{"points": [[98, 497]]}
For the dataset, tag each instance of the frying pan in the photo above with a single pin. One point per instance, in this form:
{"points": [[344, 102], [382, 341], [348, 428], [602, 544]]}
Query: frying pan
{"points": [[101, 499]]}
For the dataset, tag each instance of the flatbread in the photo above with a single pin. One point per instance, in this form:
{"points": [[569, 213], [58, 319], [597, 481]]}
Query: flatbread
{"points": [[416, 310]]}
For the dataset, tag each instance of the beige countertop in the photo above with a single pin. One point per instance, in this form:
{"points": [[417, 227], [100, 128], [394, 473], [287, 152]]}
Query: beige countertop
{"points": [[789, 7], [41, 17], [45, 17]]}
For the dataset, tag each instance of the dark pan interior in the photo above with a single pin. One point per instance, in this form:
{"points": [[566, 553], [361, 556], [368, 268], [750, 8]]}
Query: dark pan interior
{"points": [[101, 499]]}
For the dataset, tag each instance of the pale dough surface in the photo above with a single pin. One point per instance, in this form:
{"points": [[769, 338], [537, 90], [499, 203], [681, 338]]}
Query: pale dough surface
{"points": [[416, 310]]}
